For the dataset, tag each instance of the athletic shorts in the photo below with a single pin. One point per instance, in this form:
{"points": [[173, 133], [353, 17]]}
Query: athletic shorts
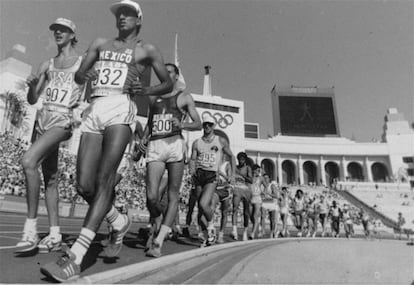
{"points": [[166, 150], [195, 193], [49, 119], [108, 111], [242, 191], [222, 193], [203, 177], [256, 199], [270, 206]]}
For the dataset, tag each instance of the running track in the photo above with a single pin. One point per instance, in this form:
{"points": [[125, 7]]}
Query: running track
{"points": [[281, 261]]}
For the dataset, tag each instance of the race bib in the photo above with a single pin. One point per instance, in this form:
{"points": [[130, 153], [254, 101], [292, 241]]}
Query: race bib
{"points": [[161, 124], [207, 159], [111, 78], [57, 96]]}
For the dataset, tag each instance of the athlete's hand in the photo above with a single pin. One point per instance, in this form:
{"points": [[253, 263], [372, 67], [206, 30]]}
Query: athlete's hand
{"points": [[32, 81], [136, 88], [232, 180], [91, 75], [176, 123]]}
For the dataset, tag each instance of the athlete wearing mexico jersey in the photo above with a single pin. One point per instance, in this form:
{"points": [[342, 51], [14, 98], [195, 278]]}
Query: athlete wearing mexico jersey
{"points": [[55, 84], [165, 151], [113, 65], [206, 157]]}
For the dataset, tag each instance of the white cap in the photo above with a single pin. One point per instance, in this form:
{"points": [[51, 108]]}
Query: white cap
{"points": [[63, 22], [128, 3], [208, 118]]}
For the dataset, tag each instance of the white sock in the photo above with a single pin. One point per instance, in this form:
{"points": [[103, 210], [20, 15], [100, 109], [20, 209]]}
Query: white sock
{"points": [[234, 228], [30, 226], [115, 218], [55, 231], [81, 246], [164, 230], [210, 225]]}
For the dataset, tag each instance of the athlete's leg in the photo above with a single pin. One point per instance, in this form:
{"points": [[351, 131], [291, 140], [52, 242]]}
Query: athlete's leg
{"points": [[190, 209], [205, 201], [155, 171], [236, 203], [49, 169], [246, 213], [256, 215], [205, 206], [175, 174], [88, 159], [38, 151], [53, 241], [225, 205], [115, 140], [113, 143]]}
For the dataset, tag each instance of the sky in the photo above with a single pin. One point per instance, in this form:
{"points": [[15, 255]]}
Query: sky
{"points": [[363, 48]]}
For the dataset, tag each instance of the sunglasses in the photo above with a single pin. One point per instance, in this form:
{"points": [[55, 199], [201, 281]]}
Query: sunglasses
{"points": [[208, 125]]}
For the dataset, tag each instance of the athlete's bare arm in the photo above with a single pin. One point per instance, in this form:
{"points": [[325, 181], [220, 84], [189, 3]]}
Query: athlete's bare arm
{"points": [[149, 55], [227, 150], [194, 154], [85, 73], [36, 83], [245, 171], [185, 102]]}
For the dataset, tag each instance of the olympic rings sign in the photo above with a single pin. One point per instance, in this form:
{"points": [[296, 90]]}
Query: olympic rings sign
{"points": [[221, 121]]}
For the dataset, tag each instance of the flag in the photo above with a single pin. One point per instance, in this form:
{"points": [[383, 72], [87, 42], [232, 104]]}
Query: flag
{"points": [[180, 82]]}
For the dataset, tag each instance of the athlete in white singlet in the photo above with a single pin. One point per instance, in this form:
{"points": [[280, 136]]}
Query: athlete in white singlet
{"points": [[257, 187], [205, 160], [270, 207], [55, 85]]}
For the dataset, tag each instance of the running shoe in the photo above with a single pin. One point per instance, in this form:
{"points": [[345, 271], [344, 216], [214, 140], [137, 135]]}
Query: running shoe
{"points": [[202, 239], [50, 243], [211, 236], [234, 235], [220, 238], [186, 232], [115, 239], [154, 250], [245, 236], [28, 243], [65, 269]]}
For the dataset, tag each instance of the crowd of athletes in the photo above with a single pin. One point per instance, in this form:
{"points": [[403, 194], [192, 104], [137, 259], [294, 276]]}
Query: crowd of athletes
{"points": [[130, 194]]}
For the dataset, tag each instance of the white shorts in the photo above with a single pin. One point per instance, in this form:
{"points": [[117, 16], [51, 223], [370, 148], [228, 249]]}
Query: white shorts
{"points": [[270, 206], [166, 150], [104, 112]]}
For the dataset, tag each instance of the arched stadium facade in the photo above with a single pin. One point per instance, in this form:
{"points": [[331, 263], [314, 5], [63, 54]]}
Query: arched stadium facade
{"points": [[319, 160]]}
